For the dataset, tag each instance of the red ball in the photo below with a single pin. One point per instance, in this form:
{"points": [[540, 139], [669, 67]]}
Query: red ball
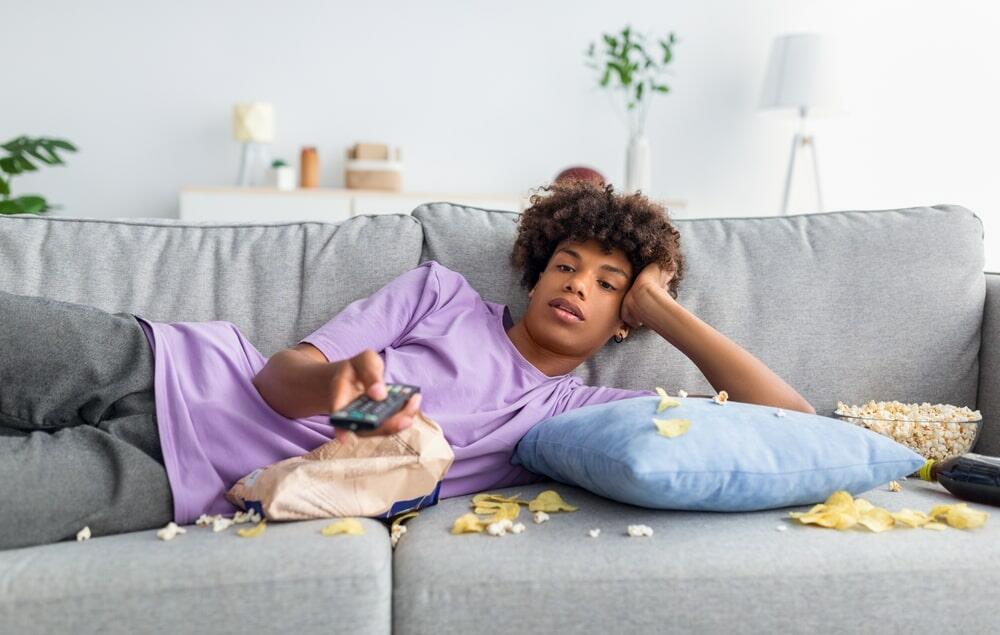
{"points": [[581, 173]]}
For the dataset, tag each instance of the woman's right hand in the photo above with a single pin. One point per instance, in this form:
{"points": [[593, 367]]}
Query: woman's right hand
{"points": [[362, 374]]}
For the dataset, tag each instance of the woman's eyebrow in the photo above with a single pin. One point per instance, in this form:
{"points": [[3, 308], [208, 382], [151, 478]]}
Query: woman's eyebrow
{"points": [[605, 267]]}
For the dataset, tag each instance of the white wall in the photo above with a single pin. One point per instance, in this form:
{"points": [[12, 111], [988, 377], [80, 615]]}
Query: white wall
{"points": [[493, 97]]}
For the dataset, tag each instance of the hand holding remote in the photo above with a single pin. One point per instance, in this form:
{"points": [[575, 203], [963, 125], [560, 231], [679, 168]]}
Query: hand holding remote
{"points": [[363, 374]]}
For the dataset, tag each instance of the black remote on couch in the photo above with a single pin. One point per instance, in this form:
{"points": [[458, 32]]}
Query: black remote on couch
{"points": [[365, 413]]}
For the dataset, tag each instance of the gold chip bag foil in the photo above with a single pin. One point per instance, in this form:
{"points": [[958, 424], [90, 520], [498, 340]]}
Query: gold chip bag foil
{"points": [[376, 477]]}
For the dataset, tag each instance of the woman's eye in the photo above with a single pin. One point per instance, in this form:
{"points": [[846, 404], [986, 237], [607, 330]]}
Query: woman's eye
{"points": [[609, 287], [567, 266], [604, 285]]}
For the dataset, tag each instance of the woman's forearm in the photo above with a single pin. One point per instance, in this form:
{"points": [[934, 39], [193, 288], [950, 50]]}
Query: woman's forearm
{"points": [[296, 385], [724, 363]]}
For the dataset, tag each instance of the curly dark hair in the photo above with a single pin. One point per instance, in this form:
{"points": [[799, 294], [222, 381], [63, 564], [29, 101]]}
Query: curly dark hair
{"points": [[581, 210]]}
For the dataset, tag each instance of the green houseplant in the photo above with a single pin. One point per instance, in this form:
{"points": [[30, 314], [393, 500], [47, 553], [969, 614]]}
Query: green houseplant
{"points": [[22, 154], [632, 69]]}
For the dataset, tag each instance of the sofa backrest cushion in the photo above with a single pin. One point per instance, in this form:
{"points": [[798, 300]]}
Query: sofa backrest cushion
{"points": [[846, 306], [276, 281]]}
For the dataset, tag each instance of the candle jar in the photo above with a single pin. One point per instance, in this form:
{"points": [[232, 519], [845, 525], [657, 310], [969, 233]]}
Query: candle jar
{"points": [[309, 167]]}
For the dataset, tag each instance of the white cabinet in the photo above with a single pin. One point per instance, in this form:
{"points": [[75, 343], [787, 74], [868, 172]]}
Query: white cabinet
{"points": [[262, 204]]}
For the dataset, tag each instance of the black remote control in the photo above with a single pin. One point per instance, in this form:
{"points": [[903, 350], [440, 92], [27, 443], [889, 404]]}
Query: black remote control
{"points": [[365, 413]]}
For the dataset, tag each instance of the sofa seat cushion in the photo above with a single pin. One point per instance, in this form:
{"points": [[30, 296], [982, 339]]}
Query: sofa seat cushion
{"points": [[290, 579], [699, 571]]}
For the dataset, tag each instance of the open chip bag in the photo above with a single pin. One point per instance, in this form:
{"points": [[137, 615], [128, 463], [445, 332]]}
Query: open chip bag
{"points": [[375, 476]]}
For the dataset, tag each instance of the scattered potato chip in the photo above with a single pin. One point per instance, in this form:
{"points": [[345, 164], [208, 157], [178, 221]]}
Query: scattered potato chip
{"points": [[468, 523], [83, 534], [959, 515], [894, 486], [672, 427], [397, 528], [550, 501], [349, 526], [253, 532], [479, 499], [721, 398], [841, 511], [666, 401], [911, 518], [877, 519]]}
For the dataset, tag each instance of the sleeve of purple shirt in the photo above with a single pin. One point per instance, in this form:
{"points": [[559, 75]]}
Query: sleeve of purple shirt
{"points": [[381, 319]]}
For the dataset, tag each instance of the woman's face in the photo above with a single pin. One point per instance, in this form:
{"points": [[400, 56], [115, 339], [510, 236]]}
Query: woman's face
{"points": [[595, 282]]}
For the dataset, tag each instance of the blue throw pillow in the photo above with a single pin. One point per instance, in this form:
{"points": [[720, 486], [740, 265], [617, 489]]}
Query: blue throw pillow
{"points": [[734, 457]]}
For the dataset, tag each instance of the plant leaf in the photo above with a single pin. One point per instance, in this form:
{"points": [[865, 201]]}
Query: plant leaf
{"points": [[4, 188], [31, 204], [10, 207], [63, 144], [24, 164], [10, 165]]}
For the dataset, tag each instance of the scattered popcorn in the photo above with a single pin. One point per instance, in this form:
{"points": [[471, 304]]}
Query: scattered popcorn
{"points": [[252, 532], [672, 427], [221, 523], [640, 530], [665, 400], [541, 517], [83, 534], [781, 528], [682, 393], [721, 398], [254, 516], [170, 531], [205, 520], [398, 528], [779, 413], [500, 527], [894, 486], [243, 517], [936, 431], [841, 511], [517, 528], [550, 501], [349, 526], [594, 533]]}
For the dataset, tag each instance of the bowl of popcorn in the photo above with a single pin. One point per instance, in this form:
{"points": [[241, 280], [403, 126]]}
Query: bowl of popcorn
{"points": [[937, 431]]}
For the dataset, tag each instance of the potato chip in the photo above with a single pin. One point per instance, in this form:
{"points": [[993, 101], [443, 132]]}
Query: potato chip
{"points": [[666, 401], [550, 501], [495, 498], [672, 427], [877, 519], [506, 511], [935, 526], [349, 526], [468, 523], [253, 532], [840, 498], [959, 516], [862, 505], [911, 518]]}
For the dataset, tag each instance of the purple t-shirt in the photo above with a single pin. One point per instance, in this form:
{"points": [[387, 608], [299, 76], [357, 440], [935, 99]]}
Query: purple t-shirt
{"points": [[429, 326]]}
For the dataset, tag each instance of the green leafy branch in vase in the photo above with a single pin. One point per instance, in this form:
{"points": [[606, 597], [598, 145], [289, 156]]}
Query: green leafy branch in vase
{"points": [[22, 154], [632, 68]]}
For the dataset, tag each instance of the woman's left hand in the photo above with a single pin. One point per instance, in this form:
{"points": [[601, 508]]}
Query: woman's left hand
{"points": [[652, 275]]}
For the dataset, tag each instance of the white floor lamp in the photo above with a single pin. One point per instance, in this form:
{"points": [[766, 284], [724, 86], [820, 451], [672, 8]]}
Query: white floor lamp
{"points": [[799, 77]]}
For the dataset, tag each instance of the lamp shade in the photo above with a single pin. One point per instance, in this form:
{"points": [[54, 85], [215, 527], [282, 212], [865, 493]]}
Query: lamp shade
{"points": [[800, 74], [253, 122]]}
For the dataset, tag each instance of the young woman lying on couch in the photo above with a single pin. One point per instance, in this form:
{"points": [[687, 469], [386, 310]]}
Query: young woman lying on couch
{"points": [[119, 423]]}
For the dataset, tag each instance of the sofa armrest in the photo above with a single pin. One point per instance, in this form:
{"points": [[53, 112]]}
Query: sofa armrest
{"points": [[988, 400]]}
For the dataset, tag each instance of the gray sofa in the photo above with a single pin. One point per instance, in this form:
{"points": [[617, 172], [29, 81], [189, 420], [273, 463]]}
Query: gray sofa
{"points": [[851, 306]]}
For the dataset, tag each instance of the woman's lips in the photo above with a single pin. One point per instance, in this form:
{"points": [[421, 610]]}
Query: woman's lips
{"points": [[566, 316]]}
